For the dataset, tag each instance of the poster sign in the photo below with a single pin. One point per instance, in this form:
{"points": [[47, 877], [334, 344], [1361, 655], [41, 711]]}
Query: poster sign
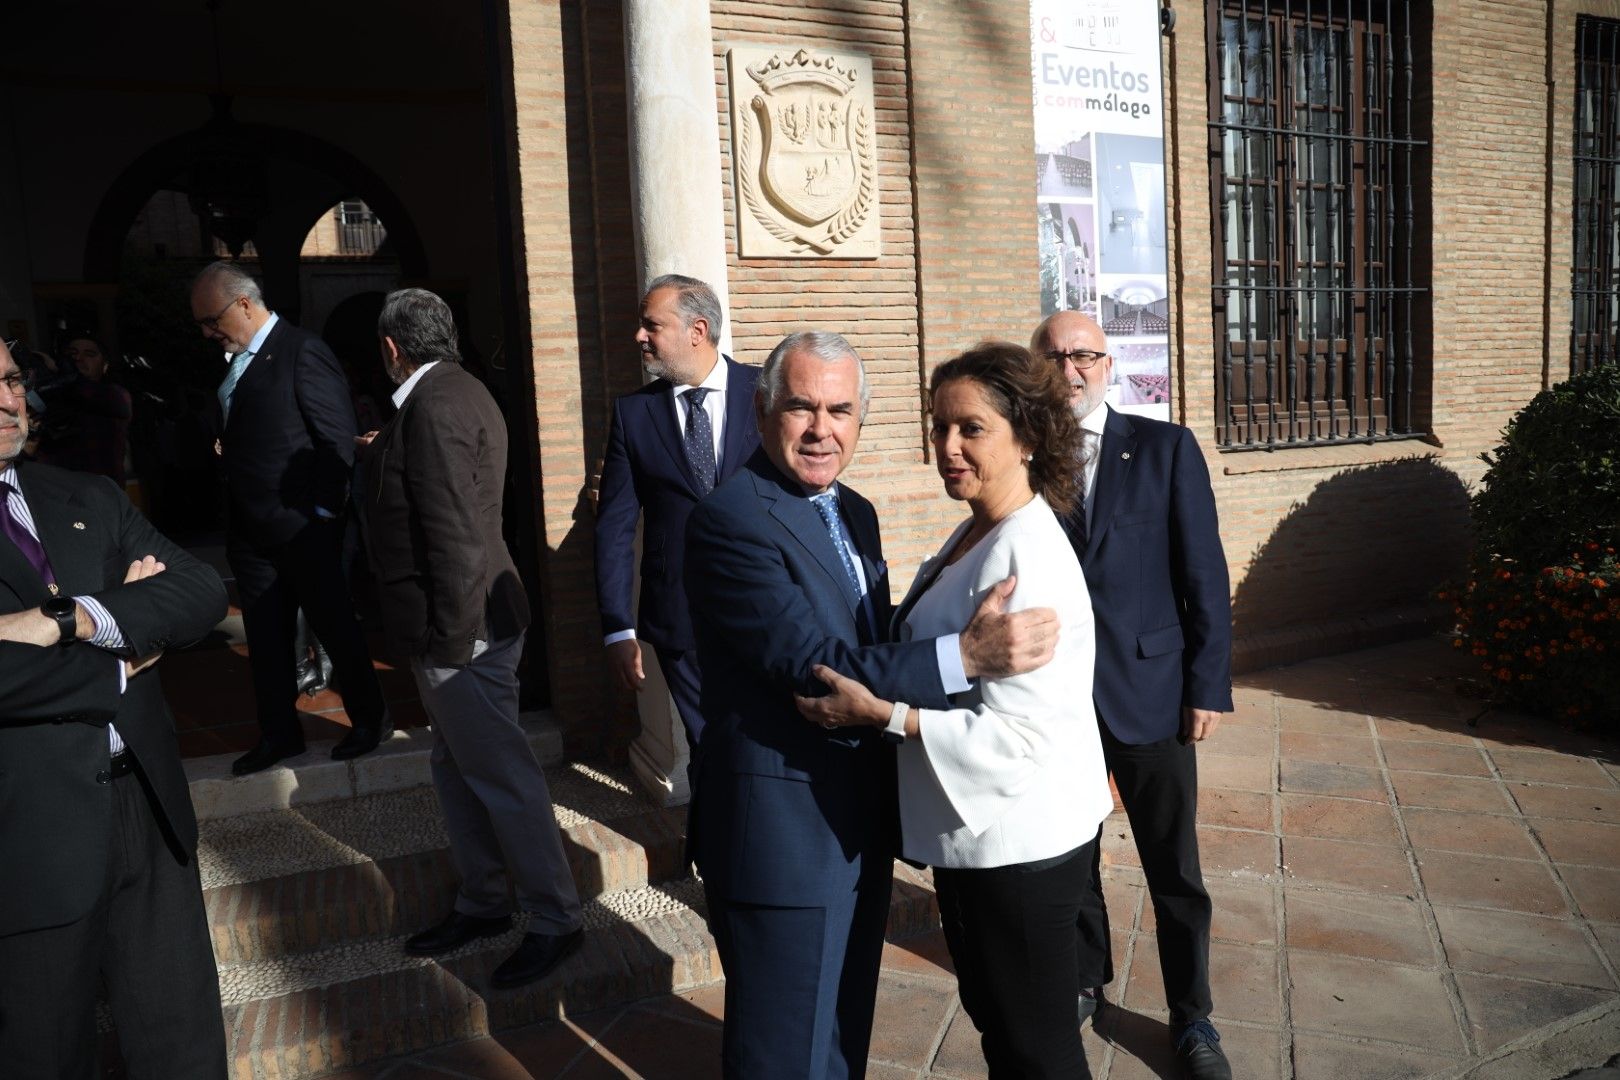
{"points": [[1099, 168]]}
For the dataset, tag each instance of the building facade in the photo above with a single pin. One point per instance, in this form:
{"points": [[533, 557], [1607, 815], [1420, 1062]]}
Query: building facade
{"points": [[1374, 214]]}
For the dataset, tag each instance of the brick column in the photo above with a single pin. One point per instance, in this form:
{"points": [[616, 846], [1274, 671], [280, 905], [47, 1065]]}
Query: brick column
{"points": [[680, 228]]}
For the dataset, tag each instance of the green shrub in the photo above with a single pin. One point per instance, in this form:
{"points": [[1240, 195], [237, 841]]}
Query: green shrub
{"points": [[1541, 608]]}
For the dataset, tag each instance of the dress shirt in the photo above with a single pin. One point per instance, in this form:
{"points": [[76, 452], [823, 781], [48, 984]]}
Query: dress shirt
{"points": [[1013, 772], [107, 634], [257, 341], [1094, 423], [404, 389], [714, 405]]}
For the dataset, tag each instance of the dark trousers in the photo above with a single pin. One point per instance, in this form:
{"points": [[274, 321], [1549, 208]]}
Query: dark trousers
{"points": [[801, 983], [1012, 934], [685, 679], [1158, 783], [146, 939], [274, 584]]}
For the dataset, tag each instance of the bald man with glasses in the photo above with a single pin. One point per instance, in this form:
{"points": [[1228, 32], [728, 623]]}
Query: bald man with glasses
{"points": [[1149, 542]]}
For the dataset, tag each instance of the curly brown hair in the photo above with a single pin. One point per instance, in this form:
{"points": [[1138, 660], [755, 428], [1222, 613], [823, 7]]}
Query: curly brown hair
{"points": [[1032, 396]]}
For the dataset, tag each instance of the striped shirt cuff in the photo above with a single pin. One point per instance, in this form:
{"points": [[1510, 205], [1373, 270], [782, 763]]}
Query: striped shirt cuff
{"points": [[108, 635]]}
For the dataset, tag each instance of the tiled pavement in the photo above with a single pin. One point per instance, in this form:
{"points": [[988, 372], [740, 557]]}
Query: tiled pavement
{"points": [[1397, 894]]}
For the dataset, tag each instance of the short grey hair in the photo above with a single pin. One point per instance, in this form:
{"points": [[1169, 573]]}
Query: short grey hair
{"points": [[421, 325], [231, 278], [825, 346], [694, 300]]}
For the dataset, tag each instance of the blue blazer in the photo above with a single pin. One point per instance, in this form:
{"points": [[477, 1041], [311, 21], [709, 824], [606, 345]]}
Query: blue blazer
{"points": [[785, 812], [645, 477], [1158, 581]]}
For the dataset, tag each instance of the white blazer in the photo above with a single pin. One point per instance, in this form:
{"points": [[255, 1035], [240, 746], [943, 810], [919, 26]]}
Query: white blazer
{"points": [[1014, 772]]}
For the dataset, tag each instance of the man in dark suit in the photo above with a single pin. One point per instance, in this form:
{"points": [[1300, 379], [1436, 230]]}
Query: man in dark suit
{"points": [[453, 604], [1150, 545], [669, 444], [97, 834], [794, 827], [288, 446]]}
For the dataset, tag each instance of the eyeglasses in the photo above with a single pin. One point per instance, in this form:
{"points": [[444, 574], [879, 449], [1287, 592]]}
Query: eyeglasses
{"points": [[1082, 359], [212, 322], [17, 382]]}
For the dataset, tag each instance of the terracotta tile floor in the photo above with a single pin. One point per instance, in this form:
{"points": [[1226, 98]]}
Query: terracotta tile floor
{"points": [[1397, 892], [210, 691]]}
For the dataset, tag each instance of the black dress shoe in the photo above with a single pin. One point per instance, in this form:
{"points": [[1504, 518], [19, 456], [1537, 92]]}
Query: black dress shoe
{"points": [[1198, 1049], [361, 740], [454, 932], [264, 755], [538, 954]]}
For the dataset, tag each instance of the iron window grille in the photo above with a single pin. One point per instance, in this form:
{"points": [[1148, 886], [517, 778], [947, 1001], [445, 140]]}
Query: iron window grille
{"points": [[1313, 162], [1595, 290]]}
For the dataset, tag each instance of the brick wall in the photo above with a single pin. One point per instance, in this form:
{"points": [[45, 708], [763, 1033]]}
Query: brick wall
{"points": [[1329, 547]]}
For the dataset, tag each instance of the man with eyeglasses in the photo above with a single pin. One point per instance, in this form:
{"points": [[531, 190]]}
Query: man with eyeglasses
{"points": [[97, 834], [287, 439], [1148, 539]]}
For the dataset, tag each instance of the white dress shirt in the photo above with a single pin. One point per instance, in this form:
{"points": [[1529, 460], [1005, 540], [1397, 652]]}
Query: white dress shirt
{"points": [[1013, 772]]}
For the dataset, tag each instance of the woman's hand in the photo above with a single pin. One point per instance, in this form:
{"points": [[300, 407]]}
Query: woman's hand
{"points": [[849, 705]]}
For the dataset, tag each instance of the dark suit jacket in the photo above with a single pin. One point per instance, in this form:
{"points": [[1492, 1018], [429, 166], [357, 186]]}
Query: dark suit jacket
{"points": [[289, 440], [55, 703], [782, 808], [645, 475], [434, 479], [1158, 581]]}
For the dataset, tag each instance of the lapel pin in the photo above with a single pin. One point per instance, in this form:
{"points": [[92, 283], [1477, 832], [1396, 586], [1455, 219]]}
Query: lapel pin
{"points": [[78, 524], [1125, 455]]}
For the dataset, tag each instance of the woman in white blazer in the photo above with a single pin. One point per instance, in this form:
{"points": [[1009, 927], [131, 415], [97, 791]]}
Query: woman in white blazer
{"points": [[1004, 793]]}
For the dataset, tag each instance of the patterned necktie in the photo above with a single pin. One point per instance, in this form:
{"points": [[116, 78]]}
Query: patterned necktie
{"points": [[26, 542], [826, 505], [239, 364], [699, 439], [1089, 442]]}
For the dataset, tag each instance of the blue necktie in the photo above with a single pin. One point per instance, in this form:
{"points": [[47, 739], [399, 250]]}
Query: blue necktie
{"points": [[239, 364], [826, 505], [699, 439]]}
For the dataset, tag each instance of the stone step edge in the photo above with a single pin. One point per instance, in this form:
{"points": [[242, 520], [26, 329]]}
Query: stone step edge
{"points": [[308, 1033], [331, 906], [311, 777]]}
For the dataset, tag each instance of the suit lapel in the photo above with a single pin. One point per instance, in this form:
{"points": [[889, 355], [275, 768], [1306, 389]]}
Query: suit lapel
{"points": [[739, 416], [804, 524], [257, 369], [55, 513], [661, 408], [1115, 457]]}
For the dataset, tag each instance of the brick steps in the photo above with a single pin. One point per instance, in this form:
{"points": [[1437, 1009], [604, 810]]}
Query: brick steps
{"points": [[410, 1005], [309, 904]]}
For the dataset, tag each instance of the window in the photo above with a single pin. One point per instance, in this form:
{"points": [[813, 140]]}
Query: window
{"points": [[1313, 157], [1596, 285]]}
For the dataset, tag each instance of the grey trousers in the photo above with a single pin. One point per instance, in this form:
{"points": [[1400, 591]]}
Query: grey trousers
{"points": [[497, 808]]}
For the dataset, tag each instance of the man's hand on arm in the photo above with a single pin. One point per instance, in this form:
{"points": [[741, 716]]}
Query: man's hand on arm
{"points": [[997, 644], [1198, 724], [138, 571], [624, 657]]}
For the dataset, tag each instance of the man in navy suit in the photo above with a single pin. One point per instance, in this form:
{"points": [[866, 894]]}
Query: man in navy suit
{"points": [[1150, 545], [287, 440], [792, 826], [669, 444]]}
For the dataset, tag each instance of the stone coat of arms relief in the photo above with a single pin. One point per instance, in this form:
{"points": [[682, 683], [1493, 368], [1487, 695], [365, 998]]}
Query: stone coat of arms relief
{"points": [[803, 153]]}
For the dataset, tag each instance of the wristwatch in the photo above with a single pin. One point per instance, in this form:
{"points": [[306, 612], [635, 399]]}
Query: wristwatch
{"points": [[66, 613], [895, 732]]}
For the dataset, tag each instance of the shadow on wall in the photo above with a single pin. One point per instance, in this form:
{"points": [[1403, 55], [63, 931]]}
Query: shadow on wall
{"points": [[1355, 564]]}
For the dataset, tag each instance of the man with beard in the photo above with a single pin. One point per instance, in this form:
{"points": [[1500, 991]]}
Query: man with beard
{"points": [[1148, 540], [669, 444]]}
